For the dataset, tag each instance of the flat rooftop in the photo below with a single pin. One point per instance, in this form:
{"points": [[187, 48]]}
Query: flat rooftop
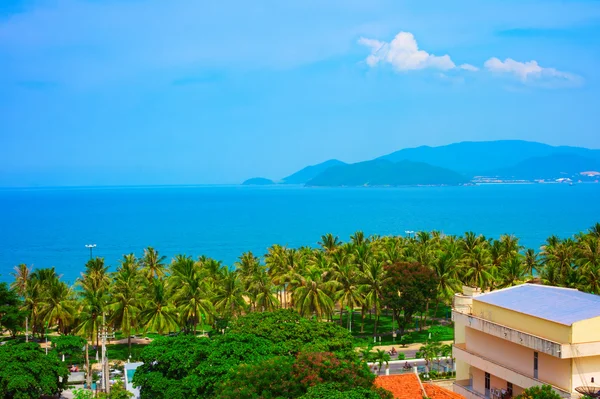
{"points": [[560, 305]]}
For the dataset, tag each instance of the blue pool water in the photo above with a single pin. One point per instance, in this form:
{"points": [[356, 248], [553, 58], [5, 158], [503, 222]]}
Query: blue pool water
{"points": [[50, 227], [130, 373]]}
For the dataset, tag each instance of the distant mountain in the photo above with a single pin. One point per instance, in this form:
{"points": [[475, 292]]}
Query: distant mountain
{"points": [[549, 167], [308, 173], [479, 158], [386, 173], [258, 181]]}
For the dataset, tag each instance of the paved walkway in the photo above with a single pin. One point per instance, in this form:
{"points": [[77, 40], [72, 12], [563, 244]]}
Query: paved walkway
{"points": [[409, 351]]}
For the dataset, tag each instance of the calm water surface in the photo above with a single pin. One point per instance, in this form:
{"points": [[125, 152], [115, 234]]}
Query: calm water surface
{"points": [[50, 227]]}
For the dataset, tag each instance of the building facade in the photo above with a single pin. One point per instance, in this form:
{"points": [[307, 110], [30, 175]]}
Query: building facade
{"points": [[515, 338]]}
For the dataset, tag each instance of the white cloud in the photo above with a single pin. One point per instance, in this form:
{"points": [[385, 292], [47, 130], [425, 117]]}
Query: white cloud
{"points": [[530, 71], [404, 55], [469, 67]]}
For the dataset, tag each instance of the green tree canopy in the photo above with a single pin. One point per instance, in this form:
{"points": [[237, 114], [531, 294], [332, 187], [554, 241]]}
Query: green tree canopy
{"points": [[410, 286], [68, 345], [11, 315], [26, 372]]}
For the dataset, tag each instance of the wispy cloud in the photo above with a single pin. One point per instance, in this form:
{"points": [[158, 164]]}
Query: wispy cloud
{"points": [[404, 54], [531, 72], [469, 67]]}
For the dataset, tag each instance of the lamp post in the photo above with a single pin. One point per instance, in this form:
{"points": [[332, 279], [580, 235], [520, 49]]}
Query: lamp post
{"points": [[46, 330], [91, 247], [409, 232]]}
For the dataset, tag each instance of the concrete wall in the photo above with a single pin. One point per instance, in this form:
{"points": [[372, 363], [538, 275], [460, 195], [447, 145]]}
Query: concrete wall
{"points": [[586, 331], [478, 380], [519, 358], [584, 369], [519, 321]]}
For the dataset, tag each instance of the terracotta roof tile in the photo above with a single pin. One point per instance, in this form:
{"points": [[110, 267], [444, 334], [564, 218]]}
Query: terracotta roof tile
{"points": [[406, 386]]}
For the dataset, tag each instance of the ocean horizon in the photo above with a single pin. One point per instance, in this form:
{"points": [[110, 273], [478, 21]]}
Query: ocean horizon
{"points": [[50, 226]]}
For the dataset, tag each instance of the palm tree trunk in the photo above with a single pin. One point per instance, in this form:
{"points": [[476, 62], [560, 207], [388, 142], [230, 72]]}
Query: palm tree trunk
{"points": [[426, 312], [375, 325], [88, 369], [342, 312], [362, 322]]}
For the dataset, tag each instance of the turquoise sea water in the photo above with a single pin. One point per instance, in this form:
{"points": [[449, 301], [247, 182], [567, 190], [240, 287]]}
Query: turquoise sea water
{"points": [[50, 227]]}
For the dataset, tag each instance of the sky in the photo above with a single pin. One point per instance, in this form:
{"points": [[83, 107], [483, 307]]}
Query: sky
{"points": [[128, 92]]}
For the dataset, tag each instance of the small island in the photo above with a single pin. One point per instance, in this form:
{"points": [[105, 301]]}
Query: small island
{"points": [[258, 181]]}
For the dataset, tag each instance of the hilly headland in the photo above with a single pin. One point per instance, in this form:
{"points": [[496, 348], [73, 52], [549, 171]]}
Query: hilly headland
{"points": [[465, 163]]}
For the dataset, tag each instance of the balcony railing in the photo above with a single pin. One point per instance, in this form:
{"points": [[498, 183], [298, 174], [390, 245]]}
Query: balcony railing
{"points": [[466, 389], [510, 334]]}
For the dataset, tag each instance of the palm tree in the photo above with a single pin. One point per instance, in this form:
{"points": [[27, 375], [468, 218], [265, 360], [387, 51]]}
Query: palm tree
{"points": [[512, 272], [380, 357], [329, 243], [478, 265], [531, 262], [21, 275], [371, 288], [262, 291], [57, 306], [190, 292], [312, 296], [153, 264], [158, 313], [125, 296], [229, 295], [347, 289], [446, 269]]}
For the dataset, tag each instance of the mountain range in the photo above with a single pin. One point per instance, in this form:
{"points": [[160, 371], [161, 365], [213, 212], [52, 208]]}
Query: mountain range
{"points": [[454, 164]]}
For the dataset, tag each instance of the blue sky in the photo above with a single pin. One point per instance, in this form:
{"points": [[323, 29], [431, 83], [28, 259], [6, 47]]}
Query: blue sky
{"points": [[107, 92]]}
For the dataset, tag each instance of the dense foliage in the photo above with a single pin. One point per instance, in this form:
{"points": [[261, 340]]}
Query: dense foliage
{"points": [[254, 359], [11, 315], [27, 372], [539, 392], [369, 274]]}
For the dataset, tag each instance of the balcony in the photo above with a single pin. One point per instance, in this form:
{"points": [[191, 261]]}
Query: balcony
{"points": [[515, 377], [510, 334], [465, 389]]}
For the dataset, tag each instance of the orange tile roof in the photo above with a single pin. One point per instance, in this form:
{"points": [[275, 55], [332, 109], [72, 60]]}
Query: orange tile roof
{"points": [[406, 386]]}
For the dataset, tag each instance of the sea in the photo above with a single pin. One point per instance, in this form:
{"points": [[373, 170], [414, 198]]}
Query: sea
{"points": [[47, 227]]}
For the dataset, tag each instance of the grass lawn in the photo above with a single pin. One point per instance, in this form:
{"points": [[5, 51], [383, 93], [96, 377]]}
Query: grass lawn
{"points": [[384, 328]]}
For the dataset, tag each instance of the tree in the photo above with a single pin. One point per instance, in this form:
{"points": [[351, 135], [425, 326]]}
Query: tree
{"points": [[336, 391], [22, 275], [153, 264], [11, 315], [408, 289], [312, 296], [125, 296], [68, 345], [158, 314], [26, 372], [380, 357], [190, 292], [539, 392]]}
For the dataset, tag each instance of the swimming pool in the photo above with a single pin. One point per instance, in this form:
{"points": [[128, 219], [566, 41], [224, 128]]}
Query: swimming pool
{"points": [[130, 373]]}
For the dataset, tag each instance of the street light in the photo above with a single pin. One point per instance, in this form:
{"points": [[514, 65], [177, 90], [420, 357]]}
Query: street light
{"points": [[46, 330], [91, 247], [409, 232]]}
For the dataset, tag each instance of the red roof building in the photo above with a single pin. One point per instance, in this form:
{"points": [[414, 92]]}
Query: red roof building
{"points": [[406, 386]]}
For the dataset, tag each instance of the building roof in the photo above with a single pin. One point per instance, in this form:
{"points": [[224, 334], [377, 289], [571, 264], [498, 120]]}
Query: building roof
{"points": [[406, 386], [560, 305]]}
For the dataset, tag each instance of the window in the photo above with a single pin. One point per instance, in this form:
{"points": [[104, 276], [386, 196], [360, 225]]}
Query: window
{"points": [[509, 388], [487, 384], [535, 365]]}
